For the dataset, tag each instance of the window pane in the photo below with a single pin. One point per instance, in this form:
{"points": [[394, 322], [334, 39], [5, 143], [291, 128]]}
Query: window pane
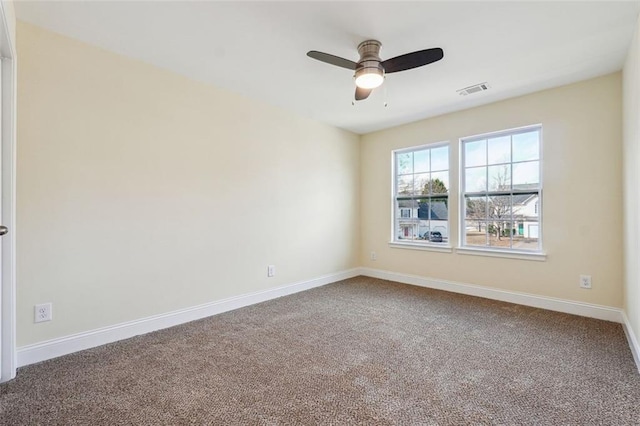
{"points": [[475, 153], [405, 185], [527, 236], [526, 146], [440, 158], [439, 209], [499, 207], [500, 177], [405, 207], [404, 163], [436, 208], [424, 210], [500, 234], [407, 222], [421, 184], [526, 175], [499, 150], [475, 233], [439, 182], [475, 179], [421, 161], [476, 208], [440, 232], [526, 207], [434, 215]]}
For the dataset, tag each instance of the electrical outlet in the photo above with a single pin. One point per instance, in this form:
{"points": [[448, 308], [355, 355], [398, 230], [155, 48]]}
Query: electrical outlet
{"points": [[43, 312], [374, 256], [585, 281], [271, 271]]}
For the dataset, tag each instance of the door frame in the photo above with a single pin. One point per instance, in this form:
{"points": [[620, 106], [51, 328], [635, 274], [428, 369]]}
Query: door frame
{"points": [[8, 147]]}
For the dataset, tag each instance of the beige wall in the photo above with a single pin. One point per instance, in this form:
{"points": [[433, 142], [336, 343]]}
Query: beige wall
{"points": [[582, 194], [631, 85], [142, 192]]}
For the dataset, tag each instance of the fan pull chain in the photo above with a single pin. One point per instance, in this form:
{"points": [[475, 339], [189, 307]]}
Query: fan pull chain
{"points": [[384, 94]]}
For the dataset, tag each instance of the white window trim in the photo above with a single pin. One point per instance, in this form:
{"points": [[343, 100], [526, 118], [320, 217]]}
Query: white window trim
{"points": [[492, 251], [426, 245], [421, 246], [511, 254]]}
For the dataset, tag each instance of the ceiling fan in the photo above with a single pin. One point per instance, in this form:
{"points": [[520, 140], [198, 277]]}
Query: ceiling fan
{"points": [[370, 69]]}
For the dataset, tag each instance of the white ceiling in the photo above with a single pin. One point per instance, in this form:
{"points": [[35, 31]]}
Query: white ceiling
{"points": [[258, 48]]}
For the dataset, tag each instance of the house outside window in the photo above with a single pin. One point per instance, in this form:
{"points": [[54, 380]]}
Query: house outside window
{"points": [[421, 194], [501, 190]]}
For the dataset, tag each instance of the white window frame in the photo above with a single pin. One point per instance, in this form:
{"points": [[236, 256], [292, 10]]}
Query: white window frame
{"points": [[421, 244], [500, 251]]}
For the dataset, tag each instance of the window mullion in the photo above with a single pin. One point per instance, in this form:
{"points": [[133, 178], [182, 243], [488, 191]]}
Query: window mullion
{"points": [[486, 202]]}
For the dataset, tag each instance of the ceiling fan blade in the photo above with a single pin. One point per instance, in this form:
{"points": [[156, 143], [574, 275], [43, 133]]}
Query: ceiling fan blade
{"points": [[362, 94], [331, 59], [412, 60]]}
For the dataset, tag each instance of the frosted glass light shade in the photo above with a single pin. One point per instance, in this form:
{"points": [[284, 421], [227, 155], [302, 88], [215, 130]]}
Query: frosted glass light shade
{"points": [[369, 78]]}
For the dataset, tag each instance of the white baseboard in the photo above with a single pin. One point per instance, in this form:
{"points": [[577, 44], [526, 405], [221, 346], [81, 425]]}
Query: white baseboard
{"points": [[633, 341], [54, 348], [553, 304]]}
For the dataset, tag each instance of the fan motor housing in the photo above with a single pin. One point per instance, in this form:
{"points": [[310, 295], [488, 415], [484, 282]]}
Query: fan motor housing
{"points": [[369, 51]]}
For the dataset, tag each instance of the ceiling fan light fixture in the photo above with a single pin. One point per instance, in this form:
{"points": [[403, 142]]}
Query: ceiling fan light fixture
{"points": [[370, 69], [369, 77]]}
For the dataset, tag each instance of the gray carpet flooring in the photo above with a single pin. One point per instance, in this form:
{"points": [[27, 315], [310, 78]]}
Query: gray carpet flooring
{"points": [[361, 351]]}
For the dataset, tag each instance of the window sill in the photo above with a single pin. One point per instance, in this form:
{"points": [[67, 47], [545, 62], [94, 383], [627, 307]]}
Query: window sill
{"points": [[540, 257], [421, 246]]}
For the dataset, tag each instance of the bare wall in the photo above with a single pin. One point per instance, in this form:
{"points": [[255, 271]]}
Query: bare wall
{"points": [[142, 192], [582, 195]]}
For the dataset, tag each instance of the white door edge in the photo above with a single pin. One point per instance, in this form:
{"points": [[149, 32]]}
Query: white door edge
{"points": [[8, 147]]}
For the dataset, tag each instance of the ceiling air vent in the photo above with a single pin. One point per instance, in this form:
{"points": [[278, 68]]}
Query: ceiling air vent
{"points": [[481, 87]]}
